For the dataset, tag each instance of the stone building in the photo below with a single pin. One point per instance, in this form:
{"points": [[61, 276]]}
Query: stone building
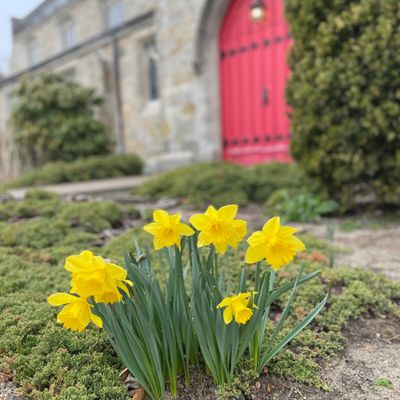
{"points": [[183, 80]]}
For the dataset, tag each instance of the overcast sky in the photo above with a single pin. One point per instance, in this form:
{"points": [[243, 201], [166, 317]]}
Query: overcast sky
{"points": [[8, 9]]}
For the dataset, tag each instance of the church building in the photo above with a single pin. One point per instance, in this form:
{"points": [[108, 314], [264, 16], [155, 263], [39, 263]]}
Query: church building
{"points": [[182, 80]]}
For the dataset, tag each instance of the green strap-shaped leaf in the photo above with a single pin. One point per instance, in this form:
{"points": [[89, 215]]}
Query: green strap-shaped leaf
{"points": [[268, 356]]}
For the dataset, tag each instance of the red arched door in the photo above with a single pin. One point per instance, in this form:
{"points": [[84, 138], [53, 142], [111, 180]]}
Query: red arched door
{"points": [[253, 74]]}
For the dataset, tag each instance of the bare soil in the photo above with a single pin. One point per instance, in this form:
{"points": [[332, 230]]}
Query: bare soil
{"points": [[377, 249], [371, 352]]}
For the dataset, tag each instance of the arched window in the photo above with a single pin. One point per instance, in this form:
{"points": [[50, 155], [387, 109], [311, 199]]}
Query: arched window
{"points": [[114, 13], [67, 32], [32, 51], [153, 90]]}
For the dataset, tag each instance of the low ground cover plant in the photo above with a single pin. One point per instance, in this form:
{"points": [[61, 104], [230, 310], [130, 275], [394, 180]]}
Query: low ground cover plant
{"points": [[299, 205], [219, 183], [48, 362], [94, 167]]}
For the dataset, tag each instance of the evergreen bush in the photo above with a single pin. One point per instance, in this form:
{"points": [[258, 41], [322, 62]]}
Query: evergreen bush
{"points": [[54, 120], [344, 92]]}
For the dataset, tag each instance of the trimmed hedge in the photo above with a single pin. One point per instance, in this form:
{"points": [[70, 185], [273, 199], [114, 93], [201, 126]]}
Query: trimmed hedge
{"points": [[95, 167], [344, 92]]}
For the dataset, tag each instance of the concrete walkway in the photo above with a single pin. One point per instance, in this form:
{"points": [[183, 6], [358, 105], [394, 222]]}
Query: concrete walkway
{"points": [[88, 187]]}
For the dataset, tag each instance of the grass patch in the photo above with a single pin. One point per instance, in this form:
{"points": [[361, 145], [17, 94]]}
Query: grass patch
{"points": [[48, 362], [384, 383]]}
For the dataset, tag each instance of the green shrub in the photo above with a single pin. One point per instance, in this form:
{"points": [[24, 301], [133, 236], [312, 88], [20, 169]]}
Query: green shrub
{"points": [[269, 178], [344, 95], [95, 167], [203, 184], [224, 183], [53, 120], [91, 216], [299, 206]]}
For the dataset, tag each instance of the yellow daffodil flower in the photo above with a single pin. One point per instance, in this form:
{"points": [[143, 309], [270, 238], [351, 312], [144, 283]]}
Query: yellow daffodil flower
{"points": [[167, 229], [219, 227], [94, 276], [237, 306], [77, 313], [275, 243]]}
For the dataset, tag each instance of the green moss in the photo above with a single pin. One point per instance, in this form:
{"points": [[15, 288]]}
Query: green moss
{"points": [[240, 385], [298, 368]]}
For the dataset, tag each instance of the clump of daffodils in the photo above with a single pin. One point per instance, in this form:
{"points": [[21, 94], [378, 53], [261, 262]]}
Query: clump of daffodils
{"points": [[160, 332]]}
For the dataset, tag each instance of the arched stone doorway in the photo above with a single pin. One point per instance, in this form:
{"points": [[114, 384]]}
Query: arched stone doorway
{"points": [[207, 90], [242, 72]]}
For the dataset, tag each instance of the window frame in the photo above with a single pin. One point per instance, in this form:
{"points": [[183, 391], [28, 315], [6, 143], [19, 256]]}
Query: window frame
{"points": [[151, 70], [67, 28], [32, 50]]}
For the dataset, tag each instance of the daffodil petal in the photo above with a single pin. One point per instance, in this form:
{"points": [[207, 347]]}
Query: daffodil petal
{"points": [[185, 230], [174, 219], [255, 254], [96, 320], [225, 302], [159, 243], [161, 216], [296, 243], [203, 240], [221, 247], [152, 228], [272, 226], [241, 227], [256, 238], [211, 212], [228, 315], [59, 299], [286, 231], [228, 213], [199, 221]]}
